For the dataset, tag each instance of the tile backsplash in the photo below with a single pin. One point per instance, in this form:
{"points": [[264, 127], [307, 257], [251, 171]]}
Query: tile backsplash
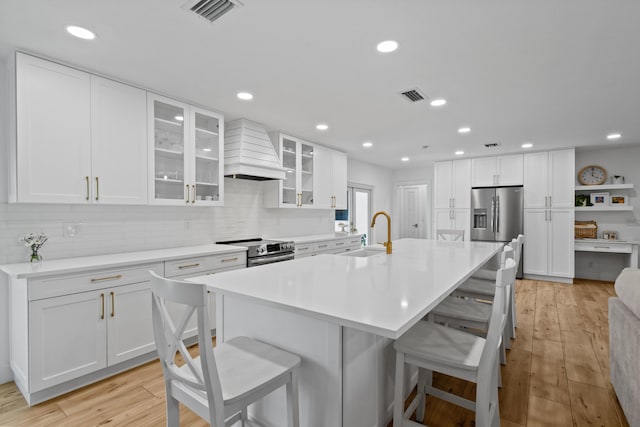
{"points": [[115, 229]]}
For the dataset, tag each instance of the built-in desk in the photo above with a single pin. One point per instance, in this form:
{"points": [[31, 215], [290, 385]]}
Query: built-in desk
{"points": [[610, 246]]}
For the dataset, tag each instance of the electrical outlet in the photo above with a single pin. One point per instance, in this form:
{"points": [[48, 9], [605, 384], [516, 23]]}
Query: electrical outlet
{"points": [[70, 229]]}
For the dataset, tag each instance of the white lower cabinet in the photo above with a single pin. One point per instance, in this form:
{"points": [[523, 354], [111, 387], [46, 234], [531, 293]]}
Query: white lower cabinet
{"points": [[453, 219], [201, 266], [334, 246], [79, 333], [549, 245]]}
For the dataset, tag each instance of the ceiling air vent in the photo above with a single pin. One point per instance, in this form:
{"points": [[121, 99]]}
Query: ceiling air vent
{"points": [[211, 10], [413, 95], [492, 145]]}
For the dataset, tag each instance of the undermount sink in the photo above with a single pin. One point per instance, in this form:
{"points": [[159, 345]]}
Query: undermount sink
{"points": [[366, 252]]}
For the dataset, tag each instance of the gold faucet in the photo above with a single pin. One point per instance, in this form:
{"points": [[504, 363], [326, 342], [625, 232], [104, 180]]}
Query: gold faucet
{"points": [[386, 244]]}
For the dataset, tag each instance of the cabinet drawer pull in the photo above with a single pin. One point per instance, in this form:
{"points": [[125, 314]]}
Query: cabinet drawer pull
{"points": [[602, 247], [229, 259], [339, 243], [182, 267], [97, 189], [113, 304], [102, 304], [322, 246], [86, 178], [102, 279], [302, 249]]}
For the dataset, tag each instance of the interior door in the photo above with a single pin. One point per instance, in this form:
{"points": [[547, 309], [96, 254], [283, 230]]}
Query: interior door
{"points": [[413, 206]]}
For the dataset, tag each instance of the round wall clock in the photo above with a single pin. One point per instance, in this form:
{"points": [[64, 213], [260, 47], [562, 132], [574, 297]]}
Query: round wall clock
{"points": [[592, 175]]}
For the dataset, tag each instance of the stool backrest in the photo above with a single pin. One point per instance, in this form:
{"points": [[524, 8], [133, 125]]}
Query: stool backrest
{"points": [[202, 375], [446, 234]]}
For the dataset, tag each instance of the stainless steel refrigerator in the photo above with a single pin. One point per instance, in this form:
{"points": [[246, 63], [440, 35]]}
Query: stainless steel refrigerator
{"points": [[496, 215]]}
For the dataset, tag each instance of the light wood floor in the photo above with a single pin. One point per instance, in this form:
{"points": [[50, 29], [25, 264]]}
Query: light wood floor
{"points": [[557, 375]]}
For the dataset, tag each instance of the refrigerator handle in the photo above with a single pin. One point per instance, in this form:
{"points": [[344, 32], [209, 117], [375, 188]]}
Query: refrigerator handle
{"points": [[497, 214], [493, 214]]}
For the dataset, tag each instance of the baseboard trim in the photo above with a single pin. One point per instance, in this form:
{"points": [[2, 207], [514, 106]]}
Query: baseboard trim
{"points": [[549, 278], [5, 374]]}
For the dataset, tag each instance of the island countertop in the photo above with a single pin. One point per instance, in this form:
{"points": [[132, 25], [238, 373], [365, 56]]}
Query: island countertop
{"points": [[381, 294]]}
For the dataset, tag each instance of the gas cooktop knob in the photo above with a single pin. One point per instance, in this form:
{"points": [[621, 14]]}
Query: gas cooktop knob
{"points": [[262, 249]]}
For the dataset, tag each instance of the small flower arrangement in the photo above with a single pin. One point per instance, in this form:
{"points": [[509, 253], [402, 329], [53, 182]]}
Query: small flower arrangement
{"points": [[35, 242]]}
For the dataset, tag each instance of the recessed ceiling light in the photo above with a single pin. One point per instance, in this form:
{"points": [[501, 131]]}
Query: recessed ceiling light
{"points": [[464, 129], [322, 126], [459, 153], [405, 159], [245, 96], [367, 144], [438, 102], [527, 145], [206, 149], [614, 136], [387, 46], [81, 33], [179, 118]]}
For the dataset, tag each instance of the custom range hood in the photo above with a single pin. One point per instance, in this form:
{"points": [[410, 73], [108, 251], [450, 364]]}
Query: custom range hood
{"points": [[249, 153]]}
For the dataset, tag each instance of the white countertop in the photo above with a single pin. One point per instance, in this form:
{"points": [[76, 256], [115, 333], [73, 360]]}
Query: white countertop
{"points": [[382, 294], [314, 237], [608, 241], [73, 265]]}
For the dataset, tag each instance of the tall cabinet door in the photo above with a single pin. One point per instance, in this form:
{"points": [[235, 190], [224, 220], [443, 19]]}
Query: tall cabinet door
{"points": [[118, 143], [536, 232], [169, 171], [67, 338], [562, 167], [307, 172], [53, 130], [561, 243], [461, 186], [289, 153], [443, 183], [130, 326], [324, 184], [536, 180], [339, 172]]}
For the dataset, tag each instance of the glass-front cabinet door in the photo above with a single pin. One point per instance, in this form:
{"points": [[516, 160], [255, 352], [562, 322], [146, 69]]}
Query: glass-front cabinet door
{"points": [[297, 160], [168, 140], [306, 174], [207, 129], [290, 194], [186, 149]]}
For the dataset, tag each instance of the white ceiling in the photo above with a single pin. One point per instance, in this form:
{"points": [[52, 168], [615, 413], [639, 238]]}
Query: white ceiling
{"points": [[556, 73]]}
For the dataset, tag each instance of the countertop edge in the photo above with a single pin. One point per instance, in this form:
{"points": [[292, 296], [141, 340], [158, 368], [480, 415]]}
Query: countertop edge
{"points": [[27, 270]]}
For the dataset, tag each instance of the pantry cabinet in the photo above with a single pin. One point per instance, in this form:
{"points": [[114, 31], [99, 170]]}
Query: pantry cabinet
{"points": [[331, 178], [453, 219], [549, 179], [452, 186], [497, 171], [185, 151], [549, 245], [80, 137]]}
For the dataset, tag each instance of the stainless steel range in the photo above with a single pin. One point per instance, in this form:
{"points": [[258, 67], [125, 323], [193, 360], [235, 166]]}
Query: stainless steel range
{"points": [[262, 252]]}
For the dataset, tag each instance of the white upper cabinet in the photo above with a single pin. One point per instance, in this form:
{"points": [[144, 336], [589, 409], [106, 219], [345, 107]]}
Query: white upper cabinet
{"points": [[453, 184], [297, 190], [331, 178], [185, 148], [53, 132], [118, 143], [549, 179], [497, 171], [80, 138]]}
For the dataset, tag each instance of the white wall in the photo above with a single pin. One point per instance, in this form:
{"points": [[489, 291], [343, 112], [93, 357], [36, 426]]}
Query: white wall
{"points": [[5, 373], [616, 161], [380, 179]]}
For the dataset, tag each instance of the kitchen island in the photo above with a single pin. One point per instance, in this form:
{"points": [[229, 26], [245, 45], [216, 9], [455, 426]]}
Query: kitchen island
{"points": [[340, 314]]}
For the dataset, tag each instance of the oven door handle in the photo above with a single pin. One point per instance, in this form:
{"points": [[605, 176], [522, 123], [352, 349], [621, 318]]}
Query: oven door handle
{"points": [[270, 259]]}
